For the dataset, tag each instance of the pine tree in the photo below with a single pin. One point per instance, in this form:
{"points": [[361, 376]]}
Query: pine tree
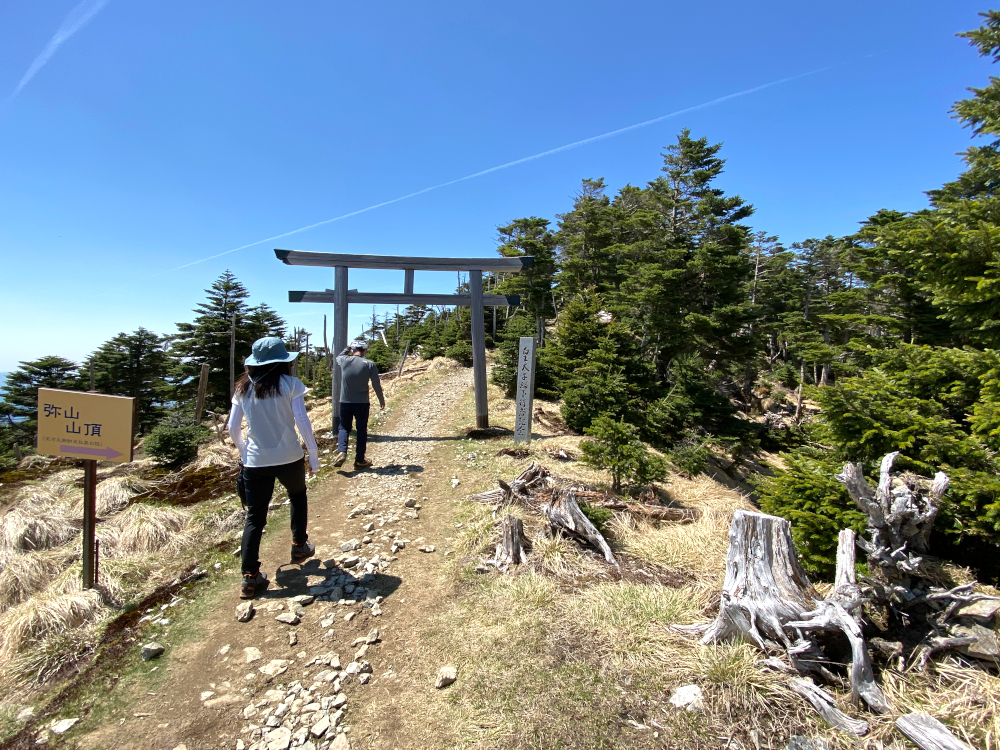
{"points": [[134, 364], [21, 393], [206, 340]]}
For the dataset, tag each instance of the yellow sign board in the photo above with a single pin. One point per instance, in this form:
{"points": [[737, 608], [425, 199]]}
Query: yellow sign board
{"points": [[74, 424]]}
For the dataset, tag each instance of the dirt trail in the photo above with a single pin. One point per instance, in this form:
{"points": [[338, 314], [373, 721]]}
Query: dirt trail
{"points": [[215, 692]]}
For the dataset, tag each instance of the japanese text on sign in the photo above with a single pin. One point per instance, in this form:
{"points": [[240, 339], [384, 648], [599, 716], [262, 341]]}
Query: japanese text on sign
{"points": [[525, 389], [74, 424]]}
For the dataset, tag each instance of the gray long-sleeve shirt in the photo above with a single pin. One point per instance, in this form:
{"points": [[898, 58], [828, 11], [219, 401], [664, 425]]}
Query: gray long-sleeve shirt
{"points": [[355, 374]]}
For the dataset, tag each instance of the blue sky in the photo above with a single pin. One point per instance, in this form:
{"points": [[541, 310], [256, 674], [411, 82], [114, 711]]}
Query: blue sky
{"points": [[158, 134]]}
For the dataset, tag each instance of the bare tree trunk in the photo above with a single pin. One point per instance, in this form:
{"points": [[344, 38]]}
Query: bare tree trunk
{"points": [[928, 733], [765, 586], [798, 398], [510, 551], [564, 514]]}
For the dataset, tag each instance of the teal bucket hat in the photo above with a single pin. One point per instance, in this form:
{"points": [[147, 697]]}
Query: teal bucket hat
{"points": [[267, 351]]}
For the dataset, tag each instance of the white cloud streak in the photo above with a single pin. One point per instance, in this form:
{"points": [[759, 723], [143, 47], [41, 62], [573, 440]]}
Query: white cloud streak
{"points": [[79, 17], [516, 162]]}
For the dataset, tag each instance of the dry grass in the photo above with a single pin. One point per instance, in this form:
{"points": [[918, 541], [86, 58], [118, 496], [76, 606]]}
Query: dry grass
{"points": [[214, 454], [39, 521], [697, 548], [144, 529], [114, 493], [43, 615], [26, 574]]}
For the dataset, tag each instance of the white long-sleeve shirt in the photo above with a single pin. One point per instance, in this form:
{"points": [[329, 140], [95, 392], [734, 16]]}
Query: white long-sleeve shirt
{"points": [[272, 421]]}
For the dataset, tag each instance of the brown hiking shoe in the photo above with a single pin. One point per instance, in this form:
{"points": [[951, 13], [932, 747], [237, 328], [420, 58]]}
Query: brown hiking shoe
{"points": [[254, 585], [339, 457], [302, 552], [362, 463]]}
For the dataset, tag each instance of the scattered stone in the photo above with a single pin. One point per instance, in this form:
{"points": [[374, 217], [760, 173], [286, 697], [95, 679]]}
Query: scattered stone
{"points": [[244, 612], [26, 714], [319, 728], [350, 546], [275, 667], [289, 618], [42, 737], [357, 511], [296, 609], [339, 702], [252, 653], [361, 653], [341, 742], [223, 700], [985, 647], [455, 481], [63, 725], [240, 745], [181, 746], [293, 638], [369, 527], [304, 600], [982, 611], [206, 695], [427, 548], [372, 636], [152, 650], [350, 616], [364, 678], [446, 676], [351, 562], [224, 650], [798, 742], [163, 622], [279, 738], [410, 502], [687, 697]]}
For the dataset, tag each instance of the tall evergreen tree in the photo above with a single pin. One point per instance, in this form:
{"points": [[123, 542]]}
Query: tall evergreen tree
{"points": [[531, 237], [133, 364], [21, 392], [207, 340]]}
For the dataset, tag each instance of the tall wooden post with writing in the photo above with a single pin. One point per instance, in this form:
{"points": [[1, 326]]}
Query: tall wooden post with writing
{"points": [[525, 389], [339, 334]]}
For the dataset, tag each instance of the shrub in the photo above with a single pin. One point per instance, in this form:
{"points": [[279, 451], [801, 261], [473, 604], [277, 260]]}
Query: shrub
{"points": [[173, 442], [691, 456], [597, 516], [384, 357], [461, 352], [616, 447], [817, 505]]}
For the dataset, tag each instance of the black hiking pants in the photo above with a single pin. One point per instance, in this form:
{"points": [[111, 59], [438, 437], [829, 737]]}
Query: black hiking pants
{"points": [[259, 484]]}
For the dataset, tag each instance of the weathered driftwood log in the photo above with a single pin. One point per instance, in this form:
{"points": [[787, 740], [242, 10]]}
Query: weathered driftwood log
{"points": [[650, 512], [824, 704], [564, 514], [765, 587], [900, 517], [510, 551], [928, 733], [530, 481]]}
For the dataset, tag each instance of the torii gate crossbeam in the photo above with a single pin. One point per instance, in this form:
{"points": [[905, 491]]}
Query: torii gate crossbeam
{"points": [[341, 298]]}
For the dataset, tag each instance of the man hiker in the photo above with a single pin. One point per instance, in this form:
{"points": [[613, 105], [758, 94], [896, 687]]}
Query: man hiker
{"points": [[355, 374]]}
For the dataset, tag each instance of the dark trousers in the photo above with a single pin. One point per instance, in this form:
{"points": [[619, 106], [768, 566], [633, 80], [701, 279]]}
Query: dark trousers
{"points": [[259, 484], [348, 414]]}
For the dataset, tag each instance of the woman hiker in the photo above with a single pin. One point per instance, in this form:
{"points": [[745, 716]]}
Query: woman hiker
{"points": [[274, 405], [355, 374]]}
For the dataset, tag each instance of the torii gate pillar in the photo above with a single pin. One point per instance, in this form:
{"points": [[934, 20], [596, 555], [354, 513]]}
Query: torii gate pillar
{"points": [[339, 335], [479, 349]]}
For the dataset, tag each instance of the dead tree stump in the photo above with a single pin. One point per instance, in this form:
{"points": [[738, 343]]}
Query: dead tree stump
{"points": [[564, 514], [765, 586], [510, 551]]}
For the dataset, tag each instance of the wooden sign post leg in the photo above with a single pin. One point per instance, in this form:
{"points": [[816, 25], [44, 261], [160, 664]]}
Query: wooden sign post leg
{"points": [[199, 408], [479, 349], [339, 334], [89, 522]]}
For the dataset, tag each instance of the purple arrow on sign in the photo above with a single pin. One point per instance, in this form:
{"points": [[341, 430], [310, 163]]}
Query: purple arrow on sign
{"points": [[108, 453]]}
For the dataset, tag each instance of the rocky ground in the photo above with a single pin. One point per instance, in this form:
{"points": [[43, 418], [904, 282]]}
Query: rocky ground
{"points": [[329, 639]]}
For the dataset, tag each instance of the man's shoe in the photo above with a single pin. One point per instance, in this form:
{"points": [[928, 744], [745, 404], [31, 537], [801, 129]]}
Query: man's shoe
{"points": [[254, 585], [339, 457], [361, 463], [302, 552]]}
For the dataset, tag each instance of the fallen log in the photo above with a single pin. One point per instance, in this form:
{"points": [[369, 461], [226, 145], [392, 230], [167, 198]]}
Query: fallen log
{"points": [[510, 551], [765, 587], [650, 512], [928, 733], [564, 514], [824, 704]]}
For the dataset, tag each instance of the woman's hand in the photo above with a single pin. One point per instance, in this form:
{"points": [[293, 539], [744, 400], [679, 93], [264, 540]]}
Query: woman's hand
{"points": [[310, 473]]}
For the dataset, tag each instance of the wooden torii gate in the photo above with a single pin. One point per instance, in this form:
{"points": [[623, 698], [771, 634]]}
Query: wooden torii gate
{"points": [[341, 297]]}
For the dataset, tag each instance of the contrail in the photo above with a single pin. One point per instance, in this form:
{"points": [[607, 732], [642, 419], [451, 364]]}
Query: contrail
{"points": [[78, 18], [523, 160]]}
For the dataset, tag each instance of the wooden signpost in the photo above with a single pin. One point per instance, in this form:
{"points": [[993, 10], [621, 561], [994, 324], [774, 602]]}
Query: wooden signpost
{"points": [[341, 297], [525, 389], [91, 426]]}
